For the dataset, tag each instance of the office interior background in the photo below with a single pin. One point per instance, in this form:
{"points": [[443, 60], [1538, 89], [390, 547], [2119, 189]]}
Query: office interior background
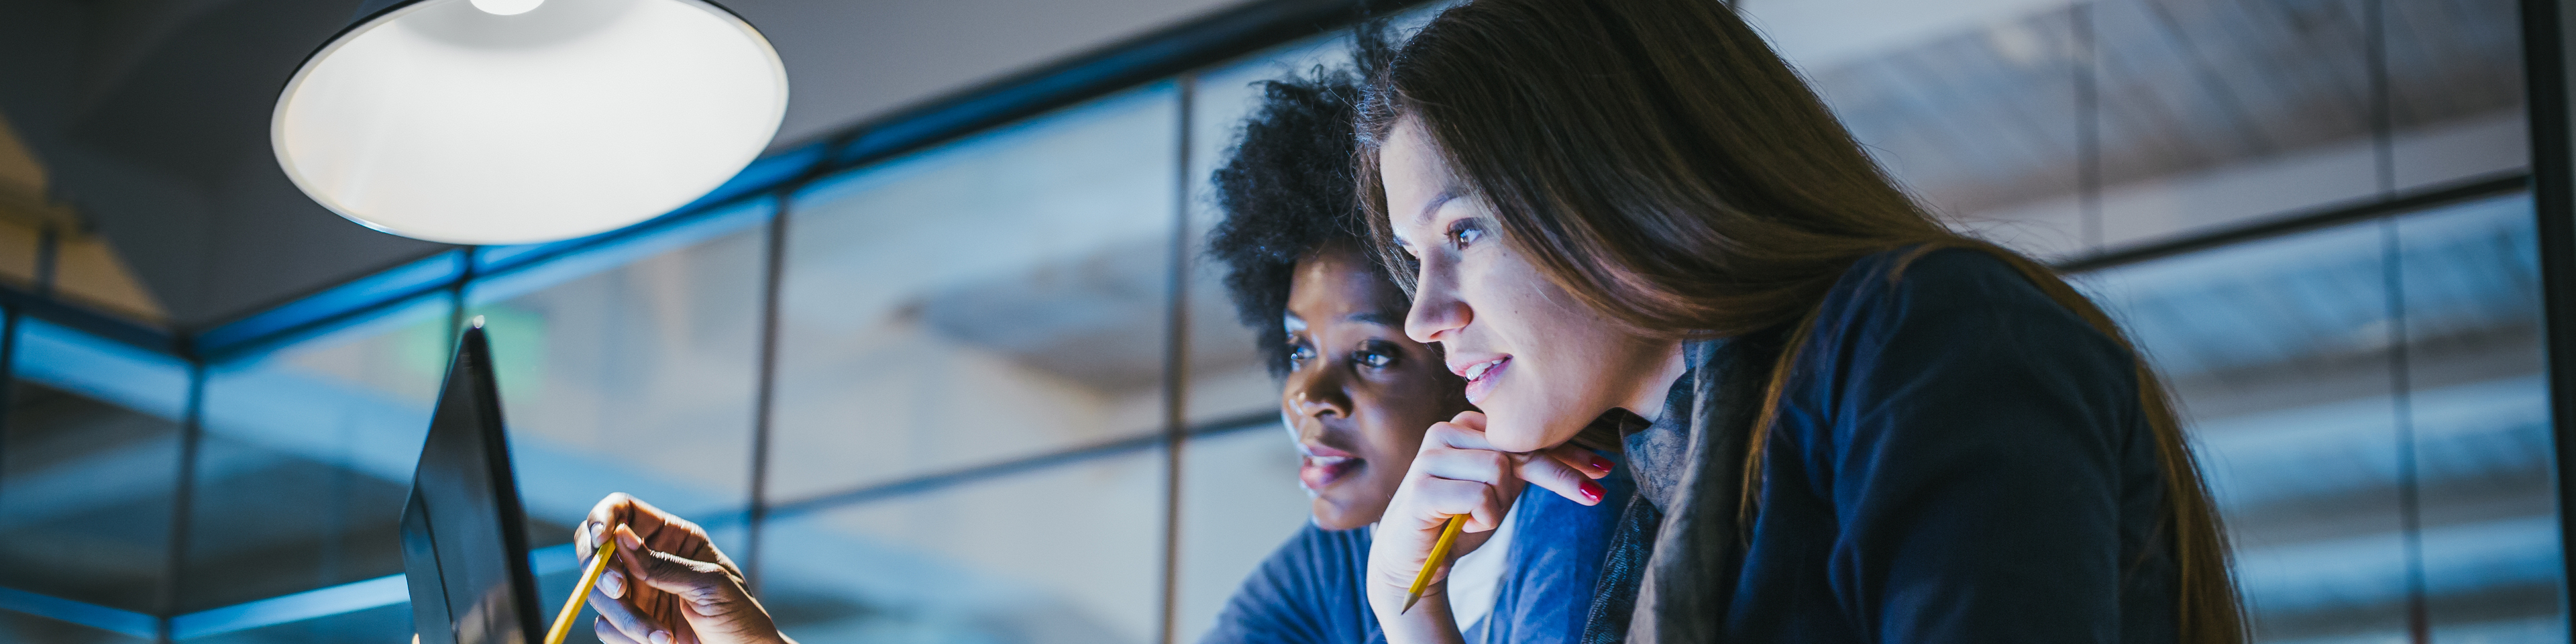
{"points": [[945, 365]]}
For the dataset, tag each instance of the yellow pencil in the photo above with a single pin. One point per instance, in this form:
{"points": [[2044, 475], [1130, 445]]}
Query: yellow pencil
{"points": [[1439, 551], [581, 591]]}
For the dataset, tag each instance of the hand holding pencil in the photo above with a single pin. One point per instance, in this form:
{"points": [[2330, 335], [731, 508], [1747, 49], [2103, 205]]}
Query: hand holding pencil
{"points": [[1461, 486], [666, 583]]}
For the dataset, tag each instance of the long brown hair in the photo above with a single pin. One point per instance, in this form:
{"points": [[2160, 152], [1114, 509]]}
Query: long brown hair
{"points": [[1659, 162]]}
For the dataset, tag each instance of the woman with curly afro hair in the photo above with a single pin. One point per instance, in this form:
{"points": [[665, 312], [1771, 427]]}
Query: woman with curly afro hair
{"points": [[1357, 396]]}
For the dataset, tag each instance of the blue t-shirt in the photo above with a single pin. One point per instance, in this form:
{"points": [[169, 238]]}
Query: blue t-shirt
{"points": [[1309, 590]]}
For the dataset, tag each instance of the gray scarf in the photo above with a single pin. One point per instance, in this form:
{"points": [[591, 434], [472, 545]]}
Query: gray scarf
{"points": [[1671, 568]]}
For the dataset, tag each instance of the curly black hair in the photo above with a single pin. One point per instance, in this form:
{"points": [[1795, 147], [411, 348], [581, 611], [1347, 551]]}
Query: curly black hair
{"points": [[1288, 192]]}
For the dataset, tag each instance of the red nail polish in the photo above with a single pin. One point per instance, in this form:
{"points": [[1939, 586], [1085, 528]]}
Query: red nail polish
{"points": [[1592, 491], [1600, 463]]}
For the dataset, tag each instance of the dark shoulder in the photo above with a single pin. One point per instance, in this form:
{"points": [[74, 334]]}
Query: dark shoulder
{"points": [[1939, 278], [1951, 300], [1910, 285], [1304, 592], [1317, 553]]}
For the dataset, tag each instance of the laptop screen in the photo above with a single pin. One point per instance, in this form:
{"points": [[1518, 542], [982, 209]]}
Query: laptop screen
{"points": [[465, 548]]}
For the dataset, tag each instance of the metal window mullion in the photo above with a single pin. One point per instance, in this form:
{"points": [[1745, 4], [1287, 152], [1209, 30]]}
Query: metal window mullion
{"points": [[765, 393], [1176, 363], [182, 501], [48, 247], [2553, 193]]}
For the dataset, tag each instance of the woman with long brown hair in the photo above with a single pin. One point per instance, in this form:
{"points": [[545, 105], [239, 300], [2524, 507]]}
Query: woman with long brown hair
{"points": [[1847, 422]]}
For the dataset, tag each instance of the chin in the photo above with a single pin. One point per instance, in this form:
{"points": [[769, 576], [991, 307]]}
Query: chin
{"points": [[1506, 435], [1328, 514]]}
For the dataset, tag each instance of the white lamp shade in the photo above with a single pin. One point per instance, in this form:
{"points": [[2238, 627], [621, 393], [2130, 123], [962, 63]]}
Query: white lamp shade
{"points": [[445, 122]]}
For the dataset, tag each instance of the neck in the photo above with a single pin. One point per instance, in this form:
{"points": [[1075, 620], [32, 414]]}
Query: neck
{"points": [[1648, 401]]}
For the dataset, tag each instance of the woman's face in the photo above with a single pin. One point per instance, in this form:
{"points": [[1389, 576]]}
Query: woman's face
{"points": [[1539, 363], [1359, 394]]}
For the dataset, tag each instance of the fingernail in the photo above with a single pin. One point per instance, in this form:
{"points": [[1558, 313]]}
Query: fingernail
{"points": [[1600, 463], [1593, 491], [613, 584], [661, 637]]}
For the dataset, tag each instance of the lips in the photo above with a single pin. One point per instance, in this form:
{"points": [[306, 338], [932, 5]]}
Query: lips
{"points": [[1320, 466], [1481, 376]]}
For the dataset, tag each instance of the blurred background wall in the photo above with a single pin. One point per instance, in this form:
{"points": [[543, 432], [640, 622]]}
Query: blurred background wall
{"points": [[917, 369]]}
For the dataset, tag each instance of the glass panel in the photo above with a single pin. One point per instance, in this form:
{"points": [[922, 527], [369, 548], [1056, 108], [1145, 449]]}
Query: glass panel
{"points": [[999, 297], [22, 627], [379, 625], [1240, 501], [1227, 381], [308, 455], [1240, 498], [2283, 353], [1070, 553], [91, 469], [2479, 409], [558, 572], [633, 369], [2278, 352], [2456, 71], [1973, 110], [2214, 112]]}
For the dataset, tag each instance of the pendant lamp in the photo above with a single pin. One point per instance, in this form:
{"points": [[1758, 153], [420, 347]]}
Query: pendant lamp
{"points": [[523, 121]]}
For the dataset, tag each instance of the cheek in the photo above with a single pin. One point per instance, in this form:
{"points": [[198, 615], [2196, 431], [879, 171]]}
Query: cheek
{"points": [[1508, 295], [1396, 417]]}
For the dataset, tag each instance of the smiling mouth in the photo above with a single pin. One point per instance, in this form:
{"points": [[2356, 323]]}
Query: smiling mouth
{"points": [[1318, 472], [1480, 377]]}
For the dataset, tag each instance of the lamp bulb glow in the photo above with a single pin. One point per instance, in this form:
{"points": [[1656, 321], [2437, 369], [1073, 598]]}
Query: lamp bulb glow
{"points": [[507, 7], [441, 121]]}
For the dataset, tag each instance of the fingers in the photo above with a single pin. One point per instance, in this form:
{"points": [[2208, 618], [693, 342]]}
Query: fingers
{"points": [[1475, 483], [615, 509], [1461, 474], [1592, 466], [661, 530], [1443, 498], [703, 587], [706, 599], [609, 634], [1567, 470], [1553, 474], [1466, 431], [615, 616]]}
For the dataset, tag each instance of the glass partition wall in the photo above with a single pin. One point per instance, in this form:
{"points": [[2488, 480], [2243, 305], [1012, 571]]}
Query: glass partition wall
{"points": [[930, 397]]}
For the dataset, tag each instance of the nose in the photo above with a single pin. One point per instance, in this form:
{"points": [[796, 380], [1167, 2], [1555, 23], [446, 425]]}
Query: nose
{"points": [[1316, 391], [1437, 312]]}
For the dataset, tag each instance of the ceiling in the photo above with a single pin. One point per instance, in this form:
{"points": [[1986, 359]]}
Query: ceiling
{"points": [[1988, 116], [150, 117]]}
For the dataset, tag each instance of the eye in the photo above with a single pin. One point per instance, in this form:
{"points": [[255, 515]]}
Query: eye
{"points": [[1300, 352], [1464, 232], [1375, 355]]}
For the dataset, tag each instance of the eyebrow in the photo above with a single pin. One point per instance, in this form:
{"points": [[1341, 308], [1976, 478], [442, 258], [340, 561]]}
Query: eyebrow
{"points": [[1429, 207], [1380, 318], [1443, 197]]}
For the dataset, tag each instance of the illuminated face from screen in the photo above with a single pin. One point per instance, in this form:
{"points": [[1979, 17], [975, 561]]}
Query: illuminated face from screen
{"points": [[1359, 395], [1540, 364]]}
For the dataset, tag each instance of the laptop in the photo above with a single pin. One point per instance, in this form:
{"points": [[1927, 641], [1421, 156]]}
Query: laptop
{"points": [[464, 534]]}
